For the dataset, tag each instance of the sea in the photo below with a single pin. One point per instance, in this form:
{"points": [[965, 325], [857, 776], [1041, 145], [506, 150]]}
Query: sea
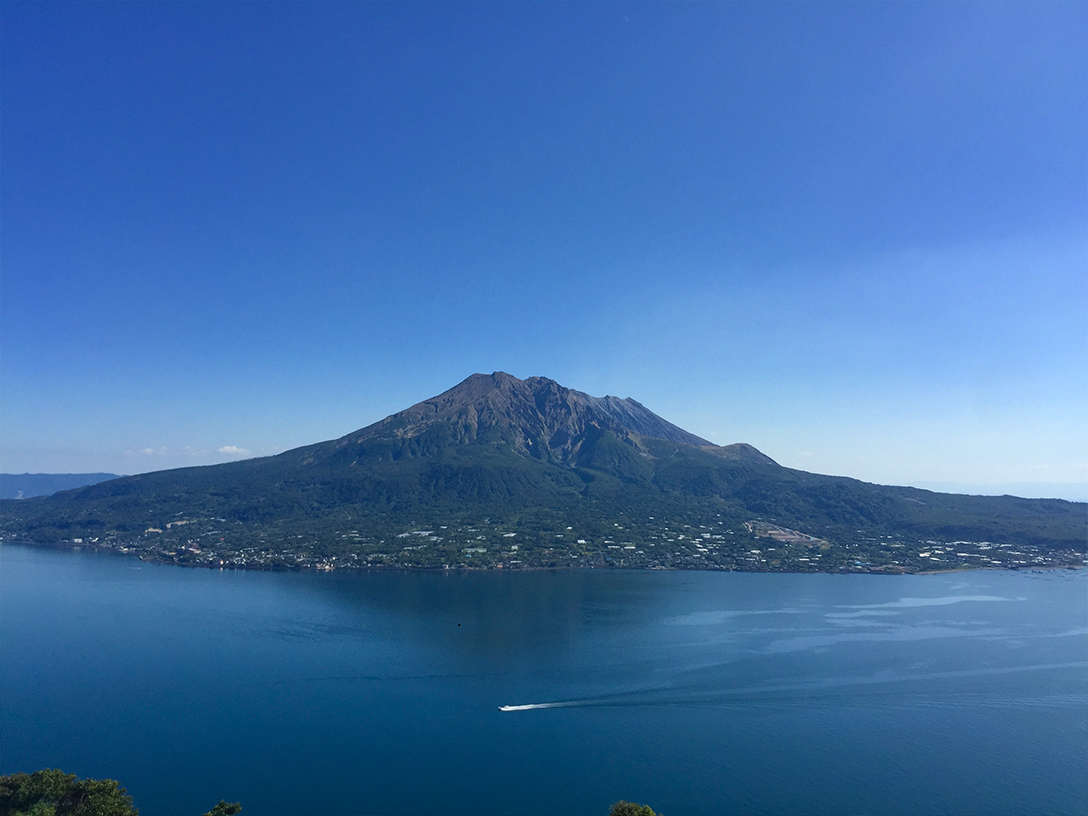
{"points": [[547, 693]]}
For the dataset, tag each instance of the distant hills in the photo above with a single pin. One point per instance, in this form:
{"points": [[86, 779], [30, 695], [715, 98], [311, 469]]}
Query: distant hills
{"points": [[504, 472], [28, 485]]}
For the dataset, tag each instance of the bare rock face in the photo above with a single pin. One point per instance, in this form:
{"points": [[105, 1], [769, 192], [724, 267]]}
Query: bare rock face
{"points": [[537, 417]]}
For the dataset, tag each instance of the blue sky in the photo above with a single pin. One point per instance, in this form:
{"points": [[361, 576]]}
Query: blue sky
{"points": [[852, 234]]}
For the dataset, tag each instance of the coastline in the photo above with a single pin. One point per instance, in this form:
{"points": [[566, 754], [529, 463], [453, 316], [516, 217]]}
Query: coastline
{"points": [[1061, 561]]}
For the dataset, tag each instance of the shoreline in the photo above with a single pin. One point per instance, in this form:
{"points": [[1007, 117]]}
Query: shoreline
{"points": [[873, 569]]}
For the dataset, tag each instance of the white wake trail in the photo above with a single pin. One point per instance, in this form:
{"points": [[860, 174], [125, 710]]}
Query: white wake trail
{"points": [[531, 706]]}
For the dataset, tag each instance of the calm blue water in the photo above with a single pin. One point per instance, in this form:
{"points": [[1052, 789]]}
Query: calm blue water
{"points": [[698, 693]]}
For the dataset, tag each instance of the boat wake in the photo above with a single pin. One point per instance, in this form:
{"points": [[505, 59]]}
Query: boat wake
{"points": [[826, 691], [531, 706]]}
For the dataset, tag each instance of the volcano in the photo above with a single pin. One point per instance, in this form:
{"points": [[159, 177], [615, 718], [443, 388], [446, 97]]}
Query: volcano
{"points": [[576, 479]]}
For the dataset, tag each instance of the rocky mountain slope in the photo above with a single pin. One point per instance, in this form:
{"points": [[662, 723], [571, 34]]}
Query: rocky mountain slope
{"points": [[535, 417]]}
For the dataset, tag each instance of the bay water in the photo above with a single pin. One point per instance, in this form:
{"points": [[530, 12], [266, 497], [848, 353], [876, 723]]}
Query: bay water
{"points": [[699, 693]]}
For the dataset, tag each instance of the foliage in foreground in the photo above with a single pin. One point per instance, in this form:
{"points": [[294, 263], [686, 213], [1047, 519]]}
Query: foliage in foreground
{"points": [[624, 808], [55, 793]]}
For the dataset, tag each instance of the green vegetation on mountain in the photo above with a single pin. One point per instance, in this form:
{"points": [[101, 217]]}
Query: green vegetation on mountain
{"points": [[525, 473]]}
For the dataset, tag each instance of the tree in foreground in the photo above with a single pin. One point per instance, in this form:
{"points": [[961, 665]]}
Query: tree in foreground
{"points": [[623, 808], [55, 793]]}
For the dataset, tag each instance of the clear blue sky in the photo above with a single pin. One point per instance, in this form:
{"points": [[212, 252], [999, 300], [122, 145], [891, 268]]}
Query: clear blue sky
{"points": [[854, 235]]}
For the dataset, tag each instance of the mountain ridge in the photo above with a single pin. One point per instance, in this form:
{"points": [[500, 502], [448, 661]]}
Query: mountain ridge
{"points": [[29, 485], [546, 419]]}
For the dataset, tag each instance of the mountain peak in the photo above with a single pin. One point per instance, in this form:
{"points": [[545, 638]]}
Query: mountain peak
{"points": [[537, 417], [496, 379]]}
